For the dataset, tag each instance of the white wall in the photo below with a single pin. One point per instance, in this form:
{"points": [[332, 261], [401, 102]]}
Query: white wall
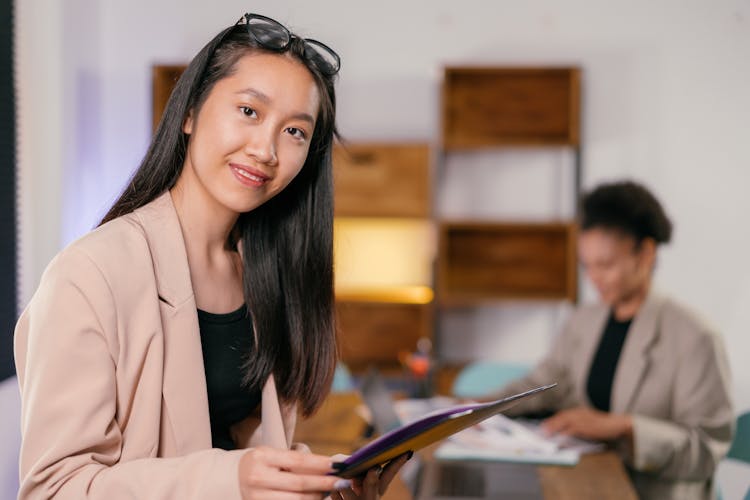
{"points": [[665, 101]]}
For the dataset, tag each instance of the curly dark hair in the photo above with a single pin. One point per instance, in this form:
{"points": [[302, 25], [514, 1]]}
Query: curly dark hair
{"points": [[628, 207]]}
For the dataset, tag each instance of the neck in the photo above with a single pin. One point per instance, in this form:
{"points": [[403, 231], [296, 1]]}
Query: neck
{"points": [[629, 306], [205, 228]]}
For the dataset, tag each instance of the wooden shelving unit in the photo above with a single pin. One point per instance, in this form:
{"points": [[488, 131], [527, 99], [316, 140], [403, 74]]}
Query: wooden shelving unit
{"points": [[492, 108], [392, 181]]}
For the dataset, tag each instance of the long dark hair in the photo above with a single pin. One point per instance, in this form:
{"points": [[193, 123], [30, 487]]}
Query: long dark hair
{"points": [[288, 280]]}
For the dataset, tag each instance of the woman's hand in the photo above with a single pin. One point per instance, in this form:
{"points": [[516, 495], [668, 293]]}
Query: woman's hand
{"points": [[589, 423], [268, 473], [374, 483]]}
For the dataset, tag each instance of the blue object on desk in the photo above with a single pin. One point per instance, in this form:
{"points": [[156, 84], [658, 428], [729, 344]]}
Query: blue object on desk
{"points": [[482, 378]]}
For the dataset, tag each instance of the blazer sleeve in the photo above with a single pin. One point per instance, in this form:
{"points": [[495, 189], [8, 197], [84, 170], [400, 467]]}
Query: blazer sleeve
{"points": [[690, 445], [72, 435], [554, 368]]}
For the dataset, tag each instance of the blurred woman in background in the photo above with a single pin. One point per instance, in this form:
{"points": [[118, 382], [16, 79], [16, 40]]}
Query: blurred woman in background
{"points": [[638, 369]]}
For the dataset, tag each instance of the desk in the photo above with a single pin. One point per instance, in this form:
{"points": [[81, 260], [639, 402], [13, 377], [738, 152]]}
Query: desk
{"points": [[599, 475], [337, 428]]}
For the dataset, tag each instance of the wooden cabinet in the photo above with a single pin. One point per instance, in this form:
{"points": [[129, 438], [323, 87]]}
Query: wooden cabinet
{"points": [[481, 262], [382, 180], [487, 107], [374, 333]]}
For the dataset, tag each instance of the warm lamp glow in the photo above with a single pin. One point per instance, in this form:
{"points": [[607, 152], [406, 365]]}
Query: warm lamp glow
{"points": [[384, 260]]}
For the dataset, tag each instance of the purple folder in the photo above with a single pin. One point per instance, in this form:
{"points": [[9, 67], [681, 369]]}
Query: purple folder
{"points": [[425, 431]]}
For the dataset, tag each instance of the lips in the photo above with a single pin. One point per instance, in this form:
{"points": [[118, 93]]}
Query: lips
{"points": [[249, 176]]}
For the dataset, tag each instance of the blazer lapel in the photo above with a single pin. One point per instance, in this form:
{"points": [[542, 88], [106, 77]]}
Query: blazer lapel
{"points": [[184, 390], [635, 358]]}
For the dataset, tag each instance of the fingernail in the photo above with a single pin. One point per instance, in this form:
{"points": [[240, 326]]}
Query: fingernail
{"points": [[342, 484], [409, 454]]}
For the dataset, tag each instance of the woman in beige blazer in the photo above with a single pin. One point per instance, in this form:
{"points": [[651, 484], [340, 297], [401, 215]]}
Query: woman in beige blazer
{"points": [[637, 370], [199, 315]]}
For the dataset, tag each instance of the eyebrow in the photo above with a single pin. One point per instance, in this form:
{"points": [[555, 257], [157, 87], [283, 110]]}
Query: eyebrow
{"points": [[267, 100]]}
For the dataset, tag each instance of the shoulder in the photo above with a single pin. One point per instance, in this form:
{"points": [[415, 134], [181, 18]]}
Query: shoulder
{"points": [[113, 259], [678, 316], [116, 244], [686, 329], [122, 244]]}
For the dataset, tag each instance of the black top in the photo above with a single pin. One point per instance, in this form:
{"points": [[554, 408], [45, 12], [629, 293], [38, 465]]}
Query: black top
{"points": [[604, 364], [227, 340]]}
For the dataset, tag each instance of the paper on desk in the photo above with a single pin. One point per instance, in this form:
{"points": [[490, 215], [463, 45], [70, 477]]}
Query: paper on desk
{"points": [[502, 439]]}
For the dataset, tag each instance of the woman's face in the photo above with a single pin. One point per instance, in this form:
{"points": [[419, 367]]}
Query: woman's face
{"points": [[618, 268], [251, 136]]}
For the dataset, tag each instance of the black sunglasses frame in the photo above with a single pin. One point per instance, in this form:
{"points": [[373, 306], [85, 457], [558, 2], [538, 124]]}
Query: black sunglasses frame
{"points": [[315, 51]]}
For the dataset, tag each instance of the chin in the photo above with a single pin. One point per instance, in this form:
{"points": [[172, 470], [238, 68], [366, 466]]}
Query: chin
{"points": [[607, 299], [242, 205]]}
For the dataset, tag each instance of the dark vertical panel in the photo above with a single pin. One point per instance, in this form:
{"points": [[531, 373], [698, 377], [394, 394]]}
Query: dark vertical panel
{"points": [[7, 192]]}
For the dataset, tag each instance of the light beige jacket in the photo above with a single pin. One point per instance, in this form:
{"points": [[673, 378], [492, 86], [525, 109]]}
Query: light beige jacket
{"points": [[110, 366], [672, 377]]}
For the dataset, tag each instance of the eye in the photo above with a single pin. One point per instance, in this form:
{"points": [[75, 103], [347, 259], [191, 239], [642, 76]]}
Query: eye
{"points": [[297, 132], [248, 111]]}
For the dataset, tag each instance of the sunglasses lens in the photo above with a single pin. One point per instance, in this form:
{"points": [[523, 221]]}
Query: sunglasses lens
{"points": [[268, 33], [322, 56]]}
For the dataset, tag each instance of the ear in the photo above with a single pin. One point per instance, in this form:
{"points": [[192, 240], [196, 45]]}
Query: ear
{"points": [[647, 252], [187, 126]]}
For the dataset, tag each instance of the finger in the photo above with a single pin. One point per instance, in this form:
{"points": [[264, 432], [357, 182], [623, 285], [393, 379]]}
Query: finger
{"points": [[293, 482], [357, 485], [349, 494], [295, 461], [557, 422], [390, 471], [370, 484], [285, 495]]}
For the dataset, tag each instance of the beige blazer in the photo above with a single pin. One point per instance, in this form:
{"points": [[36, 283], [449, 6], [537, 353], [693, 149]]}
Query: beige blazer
{"points": [[672, 377], [110, 367]]}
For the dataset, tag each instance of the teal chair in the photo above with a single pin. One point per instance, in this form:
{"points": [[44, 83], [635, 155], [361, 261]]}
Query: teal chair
{"points": [[342, 379], [740, 449], [481, 378]]}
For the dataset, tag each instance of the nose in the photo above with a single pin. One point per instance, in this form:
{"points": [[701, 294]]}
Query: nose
{"points": [[261, 145]]}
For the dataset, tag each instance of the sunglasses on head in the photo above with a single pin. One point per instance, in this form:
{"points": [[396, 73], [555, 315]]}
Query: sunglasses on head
{"points": [[272, 35]]}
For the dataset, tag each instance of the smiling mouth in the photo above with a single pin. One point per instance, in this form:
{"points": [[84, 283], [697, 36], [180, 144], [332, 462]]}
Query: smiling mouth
{"points": [[249, 177]]}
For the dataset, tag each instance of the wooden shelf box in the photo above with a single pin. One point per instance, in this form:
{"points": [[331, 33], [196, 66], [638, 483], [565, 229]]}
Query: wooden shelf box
{"points": [[382, 180], [483, 262], [373, 333], [486, 107]]}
